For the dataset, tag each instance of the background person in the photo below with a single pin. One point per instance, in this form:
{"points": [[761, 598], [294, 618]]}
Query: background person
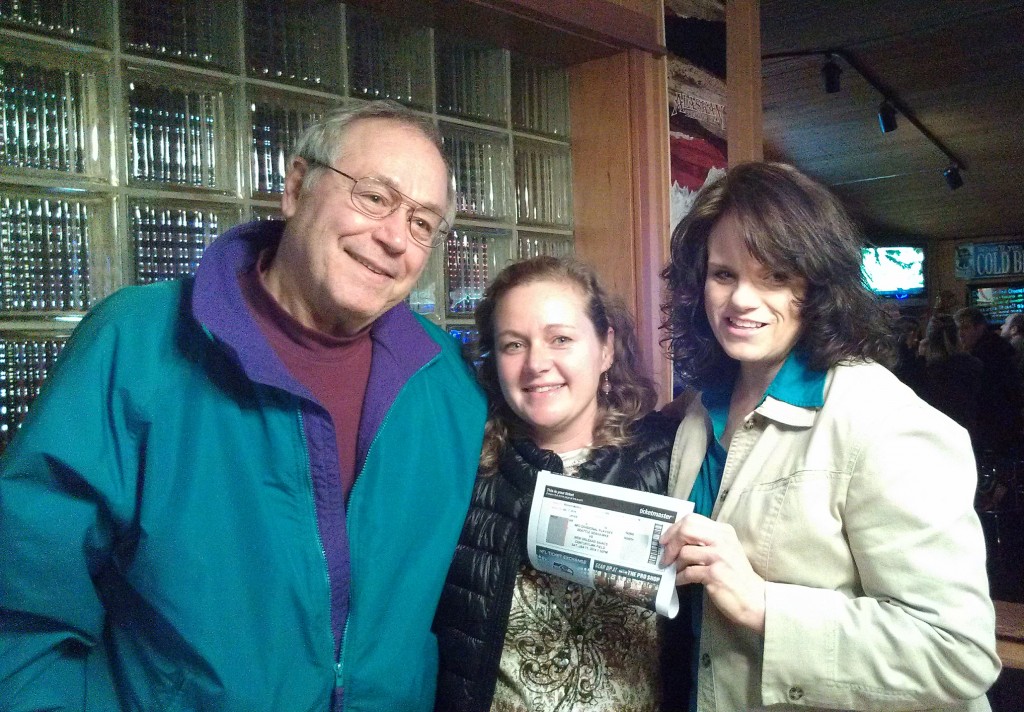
{"points": [[1013, 328], [565, 391], [205, 507], [1013, 331], [1000, 424], [909, 365], [841, 561], [952, 377]]}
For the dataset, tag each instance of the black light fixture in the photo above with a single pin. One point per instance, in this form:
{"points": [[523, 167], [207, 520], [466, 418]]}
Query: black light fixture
{"points": [[830, 72], [890, 106], [887, 117], [953, 178]]}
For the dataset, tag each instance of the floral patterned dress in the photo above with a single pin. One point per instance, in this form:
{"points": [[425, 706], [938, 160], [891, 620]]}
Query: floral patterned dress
{"points": [[574, 649]]}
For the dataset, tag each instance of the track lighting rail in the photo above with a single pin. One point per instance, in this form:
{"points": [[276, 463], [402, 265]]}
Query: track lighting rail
{"points": [[887, 95]]}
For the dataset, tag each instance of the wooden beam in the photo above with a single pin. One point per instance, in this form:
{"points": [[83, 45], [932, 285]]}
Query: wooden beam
{"points": [[649, 120], [563, 32], [619, 138], [602, 168], [745, 125], [609, 22]]}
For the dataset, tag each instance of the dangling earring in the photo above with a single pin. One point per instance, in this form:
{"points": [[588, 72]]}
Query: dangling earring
{"points": [[606, 386]]}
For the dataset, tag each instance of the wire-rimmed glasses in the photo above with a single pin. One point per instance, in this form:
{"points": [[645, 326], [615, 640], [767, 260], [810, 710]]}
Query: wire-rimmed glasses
{"points": [[376, 199]]}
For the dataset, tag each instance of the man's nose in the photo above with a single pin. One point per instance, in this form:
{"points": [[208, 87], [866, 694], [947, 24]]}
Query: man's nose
{"points": [[393, 231]]}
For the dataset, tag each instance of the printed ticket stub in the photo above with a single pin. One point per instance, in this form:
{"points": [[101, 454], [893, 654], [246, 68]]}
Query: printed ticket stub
{"points": [[605, 537]]}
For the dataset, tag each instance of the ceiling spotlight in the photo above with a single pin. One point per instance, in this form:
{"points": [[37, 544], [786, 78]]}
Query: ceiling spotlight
{"points": [[953, 178], [830, 74], [887, 117]]}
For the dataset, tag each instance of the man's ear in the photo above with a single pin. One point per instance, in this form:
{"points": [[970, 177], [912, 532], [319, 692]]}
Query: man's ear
{"points": [[296, 176]]}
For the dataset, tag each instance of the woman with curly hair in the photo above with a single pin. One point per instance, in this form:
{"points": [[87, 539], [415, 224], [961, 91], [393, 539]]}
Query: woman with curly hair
{"points": [[559, 363], [834, 559]]}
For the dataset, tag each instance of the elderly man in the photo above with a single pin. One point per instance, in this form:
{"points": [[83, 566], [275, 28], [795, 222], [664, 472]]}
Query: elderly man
{"points": [[243, 491]]}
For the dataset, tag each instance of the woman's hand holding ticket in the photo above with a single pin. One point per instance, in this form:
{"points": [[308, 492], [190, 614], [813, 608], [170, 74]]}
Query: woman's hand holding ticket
{"points": [[708, 552]]}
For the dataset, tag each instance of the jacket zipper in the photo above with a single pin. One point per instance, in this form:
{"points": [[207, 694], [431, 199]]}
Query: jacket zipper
{"points": [[316, 526], [339, 669]]}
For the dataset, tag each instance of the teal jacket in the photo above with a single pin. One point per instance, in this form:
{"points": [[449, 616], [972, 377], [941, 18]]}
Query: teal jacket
{"points": [[172, 530]]}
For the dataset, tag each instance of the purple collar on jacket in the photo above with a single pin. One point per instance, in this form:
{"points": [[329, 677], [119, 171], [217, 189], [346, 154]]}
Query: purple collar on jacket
{"points": [[401, 346]]}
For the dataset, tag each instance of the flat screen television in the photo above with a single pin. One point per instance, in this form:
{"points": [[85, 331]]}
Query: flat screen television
{"points": [[894, 271]]}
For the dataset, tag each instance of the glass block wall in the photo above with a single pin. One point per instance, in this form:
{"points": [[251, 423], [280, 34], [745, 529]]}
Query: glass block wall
{"points": [[135, 131]]}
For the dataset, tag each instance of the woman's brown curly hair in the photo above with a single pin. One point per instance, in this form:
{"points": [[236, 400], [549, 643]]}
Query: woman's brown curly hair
{"points": [[632, 394]]}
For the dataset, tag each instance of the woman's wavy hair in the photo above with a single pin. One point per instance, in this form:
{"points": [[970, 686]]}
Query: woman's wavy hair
{"points": [[791, 224], [632, 394]]}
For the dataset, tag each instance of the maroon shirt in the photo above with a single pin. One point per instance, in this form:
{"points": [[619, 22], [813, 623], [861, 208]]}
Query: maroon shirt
{"points": [[335, 369]]}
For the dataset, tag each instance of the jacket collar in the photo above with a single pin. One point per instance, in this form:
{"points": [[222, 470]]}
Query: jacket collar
{"points": [[793, 397], [527, 451], [796, 394], [401, 344]]}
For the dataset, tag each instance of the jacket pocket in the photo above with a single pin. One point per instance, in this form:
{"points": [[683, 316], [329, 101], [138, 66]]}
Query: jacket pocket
{"points": [[792, 520]]}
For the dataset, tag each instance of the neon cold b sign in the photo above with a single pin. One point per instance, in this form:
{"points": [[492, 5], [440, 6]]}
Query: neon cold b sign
{"points": [[989, 260]]}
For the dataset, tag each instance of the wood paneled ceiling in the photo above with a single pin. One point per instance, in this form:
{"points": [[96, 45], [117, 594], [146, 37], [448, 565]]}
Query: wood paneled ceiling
{"points": [[957, 65]]}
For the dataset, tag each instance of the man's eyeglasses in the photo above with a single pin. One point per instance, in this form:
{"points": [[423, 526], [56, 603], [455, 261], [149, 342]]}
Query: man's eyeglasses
{"points": [[376, 199]]}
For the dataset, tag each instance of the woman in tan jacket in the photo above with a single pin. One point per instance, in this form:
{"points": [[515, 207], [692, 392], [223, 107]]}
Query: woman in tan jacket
{"points": [[835, 560]]}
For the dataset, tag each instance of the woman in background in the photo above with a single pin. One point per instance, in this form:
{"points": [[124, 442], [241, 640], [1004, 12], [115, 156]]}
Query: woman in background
{"points": [[835, 556], [558, 361]]}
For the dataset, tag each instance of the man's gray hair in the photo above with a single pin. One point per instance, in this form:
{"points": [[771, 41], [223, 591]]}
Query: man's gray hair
{"points": [[322, 142]]}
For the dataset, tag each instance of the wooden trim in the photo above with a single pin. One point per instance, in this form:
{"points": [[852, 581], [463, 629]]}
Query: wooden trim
{"points": [[1010, 633], [619, 109], [600, 20], [649, 121], [564, 32], [602, 167], [745, 123]]}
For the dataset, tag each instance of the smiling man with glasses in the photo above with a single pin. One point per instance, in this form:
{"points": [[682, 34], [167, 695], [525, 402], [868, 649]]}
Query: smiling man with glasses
{"points": [[243, 491]]}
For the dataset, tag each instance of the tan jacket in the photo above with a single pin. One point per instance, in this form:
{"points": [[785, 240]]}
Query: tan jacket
{"points": [[860, 518]]}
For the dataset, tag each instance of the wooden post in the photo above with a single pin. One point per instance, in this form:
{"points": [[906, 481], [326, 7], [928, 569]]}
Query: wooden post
{"points": [[619, 110], [745, 127]]}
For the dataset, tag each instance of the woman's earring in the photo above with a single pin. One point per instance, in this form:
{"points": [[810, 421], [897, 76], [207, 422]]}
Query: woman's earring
{"points": [[606, 386]]}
